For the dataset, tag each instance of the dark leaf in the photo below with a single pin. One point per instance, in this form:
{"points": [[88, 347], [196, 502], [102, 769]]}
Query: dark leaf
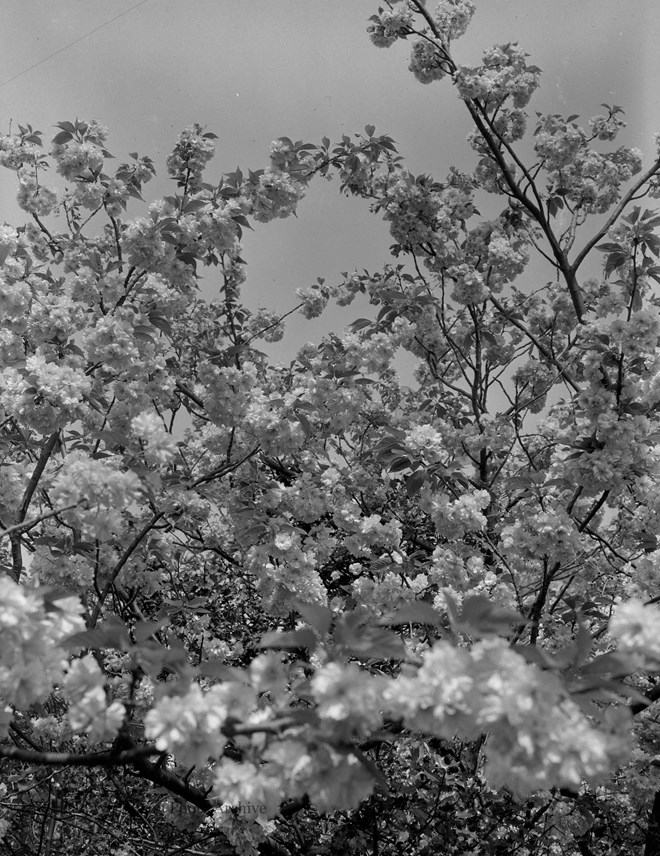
{"points": [[305, 424], [418, 612], [480, 615], [143, 630], [414, 483], [112, 633], [317, 616], [357, 638], [288, 641], [62, 138], [67, 126]]}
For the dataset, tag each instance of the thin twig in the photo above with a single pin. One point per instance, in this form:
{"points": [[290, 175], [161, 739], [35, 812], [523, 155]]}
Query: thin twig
{"points": [[120, 564], [30, 524]]}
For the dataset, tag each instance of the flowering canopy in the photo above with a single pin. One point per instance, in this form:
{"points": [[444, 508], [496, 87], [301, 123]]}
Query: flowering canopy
{"points": [[266, 578]]}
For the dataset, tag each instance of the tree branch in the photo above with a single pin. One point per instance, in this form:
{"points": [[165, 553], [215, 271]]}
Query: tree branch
{"points": [[614, 216], [46, 452], [120, 564], [189, 394], [568, 377], [110, 758], [651, 696], [16, 551], [30, 524], [224, 469]]}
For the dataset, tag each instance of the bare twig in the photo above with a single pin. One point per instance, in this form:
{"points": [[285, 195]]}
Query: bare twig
{"points": [[30, 524], [120, 564]]}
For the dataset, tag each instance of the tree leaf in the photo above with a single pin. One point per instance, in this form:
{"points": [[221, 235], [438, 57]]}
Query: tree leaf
{"points": [[418, 612], [317, 616], [481, 616], [289, 641]]}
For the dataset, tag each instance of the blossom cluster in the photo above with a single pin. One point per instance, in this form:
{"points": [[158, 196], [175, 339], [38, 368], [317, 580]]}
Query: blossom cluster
{"points": [[454, 517], [222, 229], [314, 300], [637, 628], [16, 150], [144, 246], [542, 533], [89, 711], [81, 156], [469, 286], [412, 210], [98, 490], [427, 61], [390, 25], [274, 195], [606, 127], [452, 17], [193, 150], [47, 393], [286, 570], [385, 592], [329, 776], [31, 655], [538, 736], [49, 568], [35, 198], [190, 725], [589, 178], [503, 74], [160, 446]]}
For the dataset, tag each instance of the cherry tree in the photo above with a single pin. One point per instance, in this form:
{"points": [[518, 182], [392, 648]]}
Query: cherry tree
{"points": [[249, 607]]}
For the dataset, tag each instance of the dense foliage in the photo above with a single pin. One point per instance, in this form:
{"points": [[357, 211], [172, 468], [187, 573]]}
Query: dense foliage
{"points": [[249, 607]]}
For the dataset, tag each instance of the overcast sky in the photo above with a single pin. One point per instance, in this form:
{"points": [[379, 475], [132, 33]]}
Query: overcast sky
{"points": [[253, 70]]}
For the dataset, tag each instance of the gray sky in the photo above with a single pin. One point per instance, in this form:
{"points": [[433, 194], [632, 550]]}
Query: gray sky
{"points": [[253, 70]]}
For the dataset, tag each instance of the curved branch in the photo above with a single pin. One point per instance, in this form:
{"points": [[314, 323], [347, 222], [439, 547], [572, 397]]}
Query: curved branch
{"points": [[30, 524], [189, 394], [614, 216], [110, 758], [224, 469], [568, 377], [120, 564], [567, 270], [46, 452], [16, 552], [165, 779], [490, 135]]}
